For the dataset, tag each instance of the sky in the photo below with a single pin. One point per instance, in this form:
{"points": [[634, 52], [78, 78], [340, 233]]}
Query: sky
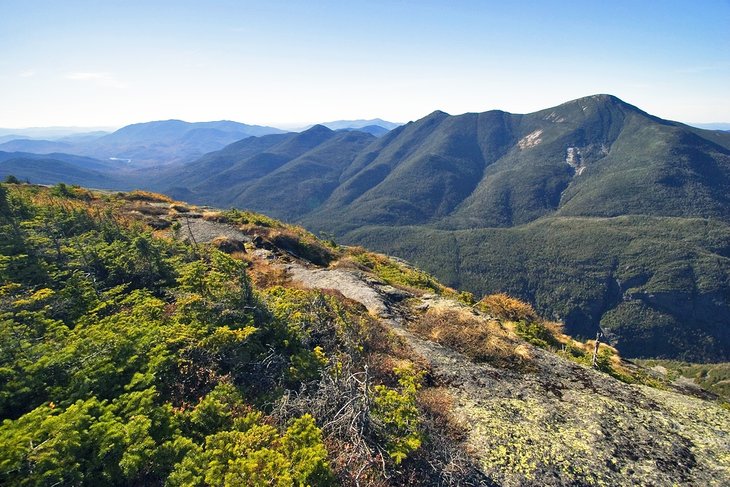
{"points": [[110, 63]]}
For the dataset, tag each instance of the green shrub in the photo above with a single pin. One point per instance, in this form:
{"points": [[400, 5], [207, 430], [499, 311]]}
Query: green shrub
{"points": [[536, 333], [396, 411]]}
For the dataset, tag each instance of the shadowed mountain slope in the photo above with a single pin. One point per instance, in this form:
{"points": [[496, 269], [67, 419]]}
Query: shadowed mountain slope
{"points": [[293, 173]]}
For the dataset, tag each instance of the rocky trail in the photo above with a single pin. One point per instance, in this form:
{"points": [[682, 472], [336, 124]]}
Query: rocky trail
{"points": [[560, 413], [558, 423]]}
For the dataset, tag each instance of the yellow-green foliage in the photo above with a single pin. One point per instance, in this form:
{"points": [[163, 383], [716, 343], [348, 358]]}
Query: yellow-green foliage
{"points": [[257, 454], [304, 311], [242, 217], [131, 360], [240, 448], [214, 289], [466, 298], [537, 332], [316, 320], [397, 412], [395, 273], [307, 364]]}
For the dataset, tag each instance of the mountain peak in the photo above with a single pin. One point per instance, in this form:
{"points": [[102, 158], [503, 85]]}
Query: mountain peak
{"points": [[603, 100], [317, 129], [360, 123], [437, 113], [606, 98], [309, 139], [600, 108]]}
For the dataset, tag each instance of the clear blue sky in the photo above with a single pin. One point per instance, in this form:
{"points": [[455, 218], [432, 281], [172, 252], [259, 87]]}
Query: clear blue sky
{"points": [[109, 63]]}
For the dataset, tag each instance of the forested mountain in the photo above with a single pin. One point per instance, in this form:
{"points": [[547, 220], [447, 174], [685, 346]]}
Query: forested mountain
{"points": [[146, 341], [596, 156], [597, 212], [293, 173]]}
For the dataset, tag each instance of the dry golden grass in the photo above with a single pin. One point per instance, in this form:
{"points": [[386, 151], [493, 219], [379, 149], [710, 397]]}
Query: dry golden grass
{"points": [[480, 339], [523, 352], [263, 273], [386, 351], [214, 216], [146, 196], [438, 405], [507, 308], [348, 263], [556, 328]]}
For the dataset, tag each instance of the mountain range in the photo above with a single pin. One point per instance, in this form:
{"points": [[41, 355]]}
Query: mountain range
{"points": [[147, 144], [356, 124], [603, 216]]}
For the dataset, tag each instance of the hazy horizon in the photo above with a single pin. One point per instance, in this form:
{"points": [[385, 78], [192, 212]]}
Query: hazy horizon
{"points": [[289, 65], [716, 125]]}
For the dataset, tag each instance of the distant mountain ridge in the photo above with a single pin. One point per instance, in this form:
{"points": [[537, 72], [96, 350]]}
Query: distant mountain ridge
{"points": [[149, 144], [294, 172], [55, 167], [356, 124], [50, 133], [712, 126], [375, 130]]}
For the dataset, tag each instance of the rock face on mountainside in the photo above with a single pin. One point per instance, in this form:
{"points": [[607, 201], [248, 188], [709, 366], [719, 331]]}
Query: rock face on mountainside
{"points": [[597, 212]]}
